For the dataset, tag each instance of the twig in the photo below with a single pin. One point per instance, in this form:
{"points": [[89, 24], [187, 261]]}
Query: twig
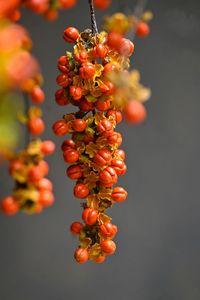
{"points": [[93, 18]]}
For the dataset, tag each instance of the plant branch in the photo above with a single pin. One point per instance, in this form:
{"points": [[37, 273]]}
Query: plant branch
{"points": [[93, 18]]}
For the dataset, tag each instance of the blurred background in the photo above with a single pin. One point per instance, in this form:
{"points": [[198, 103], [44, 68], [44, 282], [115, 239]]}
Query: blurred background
{"points": [[158, 240]]}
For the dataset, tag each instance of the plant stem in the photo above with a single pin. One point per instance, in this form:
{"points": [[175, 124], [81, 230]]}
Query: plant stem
{"points": [[93, 18]]}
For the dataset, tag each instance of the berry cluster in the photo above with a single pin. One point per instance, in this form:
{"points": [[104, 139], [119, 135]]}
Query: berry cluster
{"points": [[96, 162], [32, 192]]}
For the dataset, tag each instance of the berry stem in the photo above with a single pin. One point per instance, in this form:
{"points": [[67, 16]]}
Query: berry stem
{"points": [[26, 110], [93, 18], [138, 11]]}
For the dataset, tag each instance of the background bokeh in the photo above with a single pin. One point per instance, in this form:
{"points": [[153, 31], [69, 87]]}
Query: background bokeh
{"points": [[158, 241]]}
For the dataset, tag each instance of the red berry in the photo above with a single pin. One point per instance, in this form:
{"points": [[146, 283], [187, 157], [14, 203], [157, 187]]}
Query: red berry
{"points": [[107, 88], [116, 114], [126, 47], [15, 166], [74, 172], [99, 51], [87, 70], [67, 3], [36, 126], [109, 67], [118, 165], [44, 167], [51, 14], [60, 127], [108, 177], [35, 174], [47, 147], [70, 155], [63, 80], [71, 34], [142, 29], [102, 4], [89, 216], [119, 153], [100, 259], [79, 125], [104, 126], [88, 138], [102, 105], [45, 184], [38, 6], [108, 247], [68, 144], [9, 206], [81, 56], [114, 40], [108, 230], [85, 105], [135, 112], [37, 94], [81, 190], [76, 227], [60, 97], [81, 255], [119, 194], [75, 92], [114, 138], [46, 198], [63, 64], [103, 157]]}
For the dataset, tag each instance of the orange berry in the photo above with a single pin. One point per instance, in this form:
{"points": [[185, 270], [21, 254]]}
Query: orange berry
{"points": [[76, 227], [89, 216], [60, 127], [37, 94], [74, 172], [135, 112], [36, 126], [81, 191], [70, 155], [46, 198], [108, 247], [142, 29], [9, 206], [47, 147], [119, 194], [79, 125], [81, 255], [71, 34]]}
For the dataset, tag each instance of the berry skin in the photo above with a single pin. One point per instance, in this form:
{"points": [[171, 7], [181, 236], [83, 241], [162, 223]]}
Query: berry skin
{"points": [[60, 97], [142, 29], [114, 40], [76, 227], [135, 112], [104, 126], [103, 157], [68, 144], [102, 105], [37, 95], [81, 56], [107, 88], [102, 4], [36, 126], [15, 166], [79, 125], [39, 7], [108, 247], [44, 167], [116, 114], [47, 147], [108, 230], [81, 255], [86, 105], [71, 34], [99, 51], [126, 47], [35, 174], [45, 185], [87, 70], [100, 259], [109, 67], [70, 156], [67, 3], [108, 177], [63, 80], [46, 198], [119, 194], [60, 127], [63, 64], [120, 153], [74, 172], [118, 165], [89, 216], [81, 191], [114, 138], [75, 92], [9, 206]]}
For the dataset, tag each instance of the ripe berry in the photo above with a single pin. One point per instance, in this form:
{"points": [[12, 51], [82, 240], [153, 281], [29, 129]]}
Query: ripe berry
{"points": [[103, 157], [36, 126], [47, 147], [35, 174], [45, 184], [76, 227], [60, 97], [114, 40], [46, 198], [70, 155], [108, 230], [89, 216], [75, 92], [67, 144], [119, 153], [37, 94], [119, 194], [114, 138], [88, 138], [81, 190], [135, 112], [99, 51], [63, 64], [60, 127], [100, 259], [63, 80], [142, 29], [15, 166], [104, 126], [102, 105], [74, 172], [51, 14], [108, 247], [81, 255], [81, 56], [67, 3], [79, 125], [87, 70], [108, 177], [107, 88], [85, 105], [71, 34], [118, 165], [39, 7], [102, 4], [44, 167], [116, 114], [9, 206], [109, 67], [126, 47]]}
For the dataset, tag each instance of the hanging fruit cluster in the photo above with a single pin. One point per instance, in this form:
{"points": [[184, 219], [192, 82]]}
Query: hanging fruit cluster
{"points": [[93, 150], [32, 191]]}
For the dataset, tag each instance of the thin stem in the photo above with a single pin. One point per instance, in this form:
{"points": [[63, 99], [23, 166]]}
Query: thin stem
{"points": [[26, 110], [93, 18]]}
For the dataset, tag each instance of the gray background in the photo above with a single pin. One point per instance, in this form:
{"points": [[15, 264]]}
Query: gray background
{"points": [[158, 239]]}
